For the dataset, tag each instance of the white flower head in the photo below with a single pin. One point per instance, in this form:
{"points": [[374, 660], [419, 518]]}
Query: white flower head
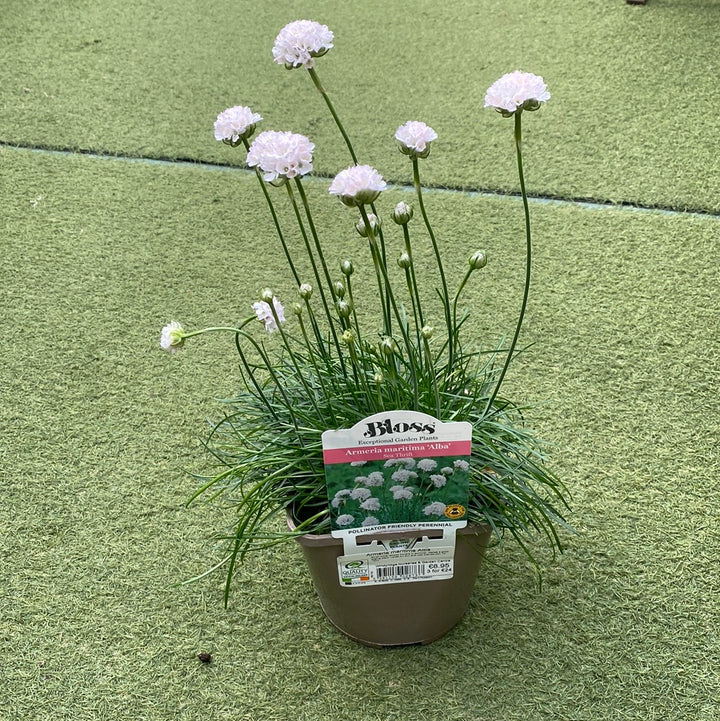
{"points": [[427, 464], [360, 494], [401, 493], [265, 314], [374, 479], [370, 521], [171, 337], [447, 471], [340, 498], [345, 519], [415, 138], [405, 462], [515, 92], [462, 465], [236, 124], [357, 185], [371, 504], [281, 155], [438, 480], [355, 464], [300, 42], [403, 475], [435, 509]]}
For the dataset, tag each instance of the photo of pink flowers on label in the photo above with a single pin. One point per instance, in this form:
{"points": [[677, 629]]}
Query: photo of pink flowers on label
{"points": [[399, 467]]}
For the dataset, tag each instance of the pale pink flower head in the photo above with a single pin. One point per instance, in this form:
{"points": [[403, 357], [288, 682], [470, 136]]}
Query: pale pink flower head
{"points": [[300, 42], [281, 155], [236, 124], [357, 185], [515, 92], [171, 337], [264, 313], [415, 138]]}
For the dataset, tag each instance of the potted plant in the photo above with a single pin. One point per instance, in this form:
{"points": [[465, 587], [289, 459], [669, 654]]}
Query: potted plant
{"points": [[321, 367]]}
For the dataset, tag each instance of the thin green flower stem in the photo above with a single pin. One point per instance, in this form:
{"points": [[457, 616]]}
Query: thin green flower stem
{"points": [[331, 108], [257, 386], [433, 376], [218, 328], [358, 332], [316, 239], [316, 330], [378, 275], [528, 258], [263, 185], [360, 371], [353, 155], [352, 304], [456, 330], [293, 359], [403, 328], [277, 382], [311, 355], [408, 250], [311, 256], [321, 290], [409, 283], [324, 349], [445, 293]]}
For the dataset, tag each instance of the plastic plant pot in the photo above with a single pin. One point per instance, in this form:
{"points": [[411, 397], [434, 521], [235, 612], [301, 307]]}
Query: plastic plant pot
{"points": [[395, 614]]}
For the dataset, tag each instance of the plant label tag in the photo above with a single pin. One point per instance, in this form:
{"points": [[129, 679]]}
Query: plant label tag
{"points": [[397, 470], [424, 559], [402, 476]]}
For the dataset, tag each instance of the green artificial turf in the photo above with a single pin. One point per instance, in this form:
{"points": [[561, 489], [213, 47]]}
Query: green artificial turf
{"points": [[633, 115], [99, 427]]}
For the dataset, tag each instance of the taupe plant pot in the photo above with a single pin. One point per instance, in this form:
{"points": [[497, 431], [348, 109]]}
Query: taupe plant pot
{"points": [[396, 614]]}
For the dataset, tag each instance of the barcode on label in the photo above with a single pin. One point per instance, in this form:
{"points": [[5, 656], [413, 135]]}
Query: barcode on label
{"points": [[405, 570]]}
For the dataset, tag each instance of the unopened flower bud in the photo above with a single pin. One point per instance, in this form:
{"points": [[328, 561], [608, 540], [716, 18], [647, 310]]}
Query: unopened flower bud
{"points": [[347, 267], [343, 308], [477, 260], [388, 346], [379, 379], [404, 260], [339, 289], [402, 213], [267, 295], [297, 309], [374, 225], [427, 332], [305, 291], [348, 337]]}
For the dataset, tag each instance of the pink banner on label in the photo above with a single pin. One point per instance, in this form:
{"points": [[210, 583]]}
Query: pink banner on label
{"points": [[397, 450]]}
